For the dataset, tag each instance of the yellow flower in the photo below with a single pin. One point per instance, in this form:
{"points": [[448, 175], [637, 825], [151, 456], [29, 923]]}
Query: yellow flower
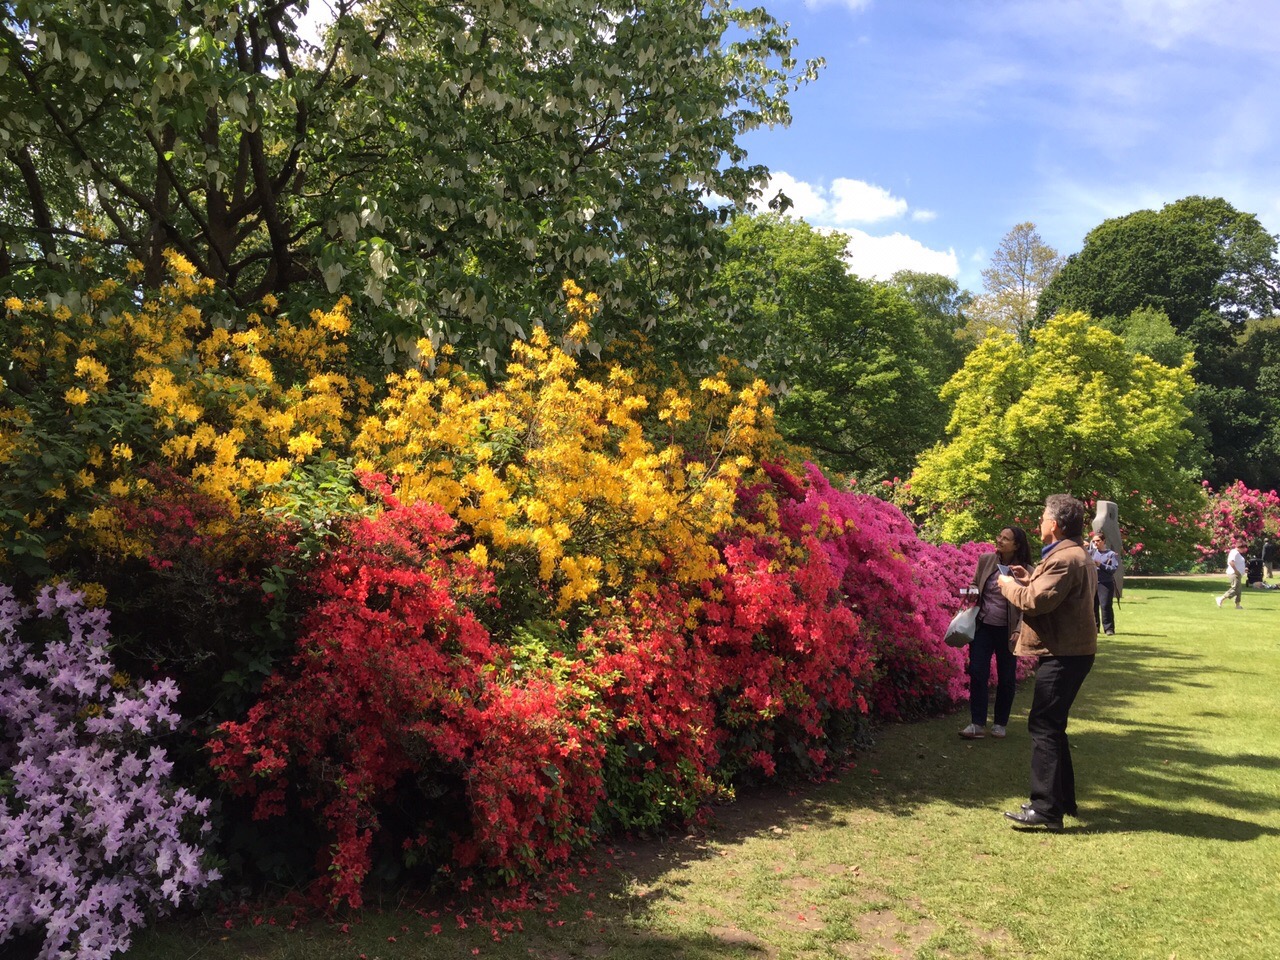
{"points": [[717, 385], [92, 370], [76, 396], [304, 444]]}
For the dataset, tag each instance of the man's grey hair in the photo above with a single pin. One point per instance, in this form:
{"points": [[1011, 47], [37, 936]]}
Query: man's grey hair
{"points": [[1068, 512]]}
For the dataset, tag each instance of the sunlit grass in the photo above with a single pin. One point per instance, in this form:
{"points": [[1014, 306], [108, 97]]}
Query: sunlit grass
{"points": [[1175, 854]]}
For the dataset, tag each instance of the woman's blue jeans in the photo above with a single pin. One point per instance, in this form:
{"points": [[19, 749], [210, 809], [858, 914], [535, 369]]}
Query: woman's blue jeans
{"points": [[989, 640]]}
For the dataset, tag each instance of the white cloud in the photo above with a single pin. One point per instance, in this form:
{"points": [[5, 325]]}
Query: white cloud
{"points": [[845, 201], [849, 201], [856, 201], [879, 258], [807, 201]]}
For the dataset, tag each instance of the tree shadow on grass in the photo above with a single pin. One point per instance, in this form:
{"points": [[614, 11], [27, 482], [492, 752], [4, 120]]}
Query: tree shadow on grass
{"points": [[1136, 776], [1133, 775]]}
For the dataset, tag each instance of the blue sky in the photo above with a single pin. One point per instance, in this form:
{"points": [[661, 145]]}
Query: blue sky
{"points": [[938, 125]]}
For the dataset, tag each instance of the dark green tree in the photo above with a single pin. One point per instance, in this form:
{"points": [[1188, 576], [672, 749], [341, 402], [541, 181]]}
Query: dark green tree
{"points": [[1193, 257], [850, 359], [943, 309]]}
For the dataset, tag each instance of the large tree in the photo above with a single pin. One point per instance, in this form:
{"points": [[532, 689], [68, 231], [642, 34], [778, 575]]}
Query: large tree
{"points": [[1195, 257], [943, 308], [1212, 270], [849, 359], [1022, 266], [448, 165], [1072, 411]]}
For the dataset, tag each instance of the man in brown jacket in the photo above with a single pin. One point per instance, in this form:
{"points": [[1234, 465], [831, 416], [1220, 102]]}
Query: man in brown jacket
{"points": [[1057, 627]]}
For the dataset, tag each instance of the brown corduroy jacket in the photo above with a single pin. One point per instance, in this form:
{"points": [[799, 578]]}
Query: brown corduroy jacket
{"points": [[1057, 605]]}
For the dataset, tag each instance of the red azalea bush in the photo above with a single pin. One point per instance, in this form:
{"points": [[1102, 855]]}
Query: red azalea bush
{"points": [[533, 778], [656, 687], [787, 652], [392, 684]]}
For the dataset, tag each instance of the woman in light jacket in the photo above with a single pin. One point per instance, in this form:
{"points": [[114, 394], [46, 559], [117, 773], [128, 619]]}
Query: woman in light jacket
{"points": [[997, 620]]}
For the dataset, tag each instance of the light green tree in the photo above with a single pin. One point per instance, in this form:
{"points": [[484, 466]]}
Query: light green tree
{"points": [[1071, 411], [446, 165]]}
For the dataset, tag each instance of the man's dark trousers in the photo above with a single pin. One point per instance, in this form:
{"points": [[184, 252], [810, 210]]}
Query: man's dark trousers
{"points": [[1053, 781], [1103, 615]]}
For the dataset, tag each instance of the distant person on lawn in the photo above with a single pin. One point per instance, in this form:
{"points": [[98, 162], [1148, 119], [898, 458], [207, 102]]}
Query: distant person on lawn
{"points": [[996, 621], [1056, 601], [1236, 570], [1107, 562]]}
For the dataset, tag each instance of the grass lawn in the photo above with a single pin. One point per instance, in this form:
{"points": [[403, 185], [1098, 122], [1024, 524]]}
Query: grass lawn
{"points": [[1176, 853]]}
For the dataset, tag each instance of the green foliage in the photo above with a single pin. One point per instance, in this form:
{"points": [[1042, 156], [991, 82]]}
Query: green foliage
{"points": [[852, 361], [1194, 256], [1148, 331], [944, 322], [451, 162], [1022, 266], [1243, 413], [1071, 411]]}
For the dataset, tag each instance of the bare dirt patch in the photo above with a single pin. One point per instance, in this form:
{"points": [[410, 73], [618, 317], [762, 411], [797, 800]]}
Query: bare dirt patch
{"points": [[884, 934]]}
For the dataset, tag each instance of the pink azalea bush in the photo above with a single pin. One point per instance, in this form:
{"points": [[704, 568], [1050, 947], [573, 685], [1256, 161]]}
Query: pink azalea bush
{"points": [[94, 838], [1234, 513], [903, 589]]}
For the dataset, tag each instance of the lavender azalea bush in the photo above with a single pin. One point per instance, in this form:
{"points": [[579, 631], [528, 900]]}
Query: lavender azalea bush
{"points": [[94, 837]]}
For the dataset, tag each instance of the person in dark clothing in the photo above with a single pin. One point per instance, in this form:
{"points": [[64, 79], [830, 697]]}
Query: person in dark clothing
{"points": [[1107, 563], [1056, 600]]}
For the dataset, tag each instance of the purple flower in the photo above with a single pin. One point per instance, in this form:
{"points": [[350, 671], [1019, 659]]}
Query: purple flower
{"points": [[93, 834]]}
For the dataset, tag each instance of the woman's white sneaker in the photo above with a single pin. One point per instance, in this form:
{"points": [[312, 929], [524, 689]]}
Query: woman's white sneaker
{"points": [[998, 731], [973, 732]]}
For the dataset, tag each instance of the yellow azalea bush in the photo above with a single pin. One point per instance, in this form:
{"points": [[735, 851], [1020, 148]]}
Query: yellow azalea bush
{"points": [[576, 480], [580, 482], [112, 380], [569, 477]]}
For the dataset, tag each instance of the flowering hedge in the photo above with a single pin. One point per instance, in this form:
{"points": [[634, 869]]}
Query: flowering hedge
{"points": [[517, 750], [1235, 513], [94, 836], [455, 623]]}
